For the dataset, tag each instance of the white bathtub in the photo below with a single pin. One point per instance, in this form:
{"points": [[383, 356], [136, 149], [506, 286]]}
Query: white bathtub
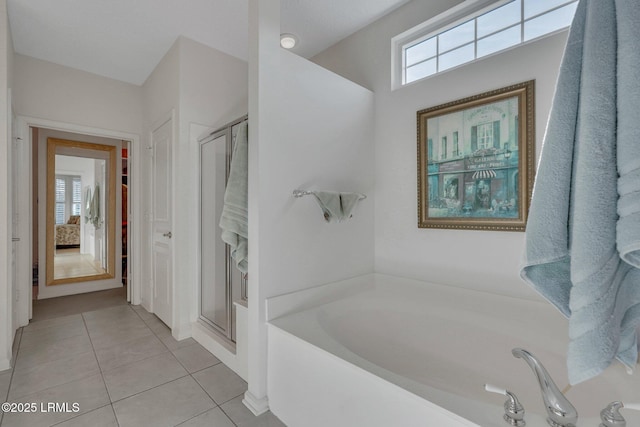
{"points": [[384, 351]]}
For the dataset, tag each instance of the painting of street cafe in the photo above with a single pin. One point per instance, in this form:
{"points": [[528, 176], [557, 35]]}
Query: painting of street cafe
{"points": [[475, 161]]}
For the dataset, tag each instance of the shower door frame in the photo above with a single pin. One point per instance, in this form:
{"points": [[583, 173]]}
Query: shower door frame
{"points": [[228, 333]]}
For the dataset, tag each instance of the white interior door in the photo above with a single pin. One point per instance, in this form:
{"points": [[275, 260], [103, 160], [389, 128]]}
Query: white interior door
{"points": [[162, 248], [20, 211]]}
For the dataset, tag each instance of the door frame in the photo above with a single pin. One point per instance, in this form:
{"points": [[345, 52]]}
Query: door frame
{"points": [[23, 268], [25, 302]]}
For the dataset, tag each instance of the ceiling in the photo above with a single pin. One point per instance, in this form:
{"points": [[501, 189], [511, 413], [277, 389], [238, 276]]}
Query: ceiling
{"points": [[125, 39]]}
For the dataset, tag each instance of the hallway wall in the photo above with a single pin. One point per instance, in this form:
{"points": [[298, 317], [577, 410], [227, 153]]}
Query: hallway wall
{"points": [[203, 88], [55, 92], [56, 96], [6, 293]]}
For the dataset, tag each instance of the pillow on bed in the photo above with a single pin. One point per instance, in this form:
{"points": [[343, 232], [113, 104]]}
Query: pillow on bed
{"points": [[74, 219]]}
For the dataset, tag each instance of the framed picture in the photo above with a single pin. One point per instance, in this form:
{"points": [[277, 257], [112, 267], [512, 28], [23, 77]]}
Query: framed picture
{"points": [[476, 161]]}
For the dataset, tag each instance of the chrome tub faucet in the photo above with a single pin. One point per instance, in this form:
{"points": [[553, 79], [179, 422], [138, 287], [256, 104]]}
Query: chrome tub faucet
{"points": [[560, 412]]}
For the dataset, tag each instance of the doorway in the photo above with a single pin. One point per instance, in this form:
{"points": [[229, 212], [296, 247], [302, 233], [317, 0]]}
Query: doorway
{"points": [[128, 247], [161, 221]]}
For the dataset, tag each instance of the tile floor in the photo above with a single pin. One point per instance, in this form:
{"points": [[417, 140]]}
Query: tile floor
{"points": [[123, 368]]}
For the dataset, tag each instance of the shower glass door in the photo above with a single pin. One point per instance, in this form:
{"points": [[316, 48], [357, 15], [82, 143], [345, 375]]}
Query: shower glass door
{"points": [[213, 264], [220, 281]]}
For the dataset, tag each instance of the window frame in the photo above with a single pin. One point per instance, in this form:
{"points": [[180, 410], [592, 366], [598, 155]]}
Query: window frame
{"points": [[486, 136], [68, 202], [458, 15]]}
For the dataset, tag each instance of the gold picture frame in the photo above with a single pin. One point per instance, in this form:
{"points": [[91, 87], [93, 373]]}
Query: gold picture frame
{"points": [[476, 161]]}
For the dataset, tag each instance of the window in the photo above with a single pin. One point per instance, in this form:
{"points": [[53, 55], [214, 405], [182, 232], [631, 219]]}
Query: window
{"points": [[68, 197], [456, 150], [76, 197], [431, 48], [485, 135], [443, 152], [60, 200]]}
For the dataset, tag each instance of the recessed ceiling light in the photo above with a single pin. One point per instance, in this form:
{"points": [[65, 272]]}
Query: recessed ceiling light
{"points": [[288, 41]]}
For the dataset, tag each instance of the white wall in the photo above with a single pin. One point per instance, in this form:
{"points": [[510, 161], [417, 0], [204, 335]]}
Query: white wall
{"points": [[213, 85], [483, 260], [312, 129], [213, 91], [50, 91], [203, 89], [6, 317], [324, 143], [54, 96], [160, 100]]}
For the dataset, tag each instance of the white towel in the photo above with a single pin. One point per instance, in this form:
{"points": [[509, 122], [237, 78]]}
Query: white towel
{"points": [[337, 207], [234, 218], [348, 203]]}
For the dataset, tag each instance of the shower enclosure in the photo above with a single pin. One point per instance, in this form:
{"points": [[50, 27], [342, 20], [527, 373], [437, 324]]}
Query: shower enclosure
{"points": [[221, 283]]}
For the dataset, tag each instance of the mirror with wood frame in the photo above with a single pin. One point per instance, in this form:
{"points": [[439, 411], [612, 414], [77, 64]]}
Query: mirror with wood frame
{"points": [[81, 204]]}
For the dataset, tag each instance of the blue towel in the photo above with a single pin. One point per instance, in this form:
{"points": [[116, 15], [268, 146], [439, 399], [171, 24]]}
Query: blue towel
{"points": [[583, 233], [234, 217]]}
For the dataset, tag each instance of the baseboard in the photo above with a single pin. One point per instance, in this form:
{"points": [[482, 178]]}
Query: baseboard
{"points": [[181, 332], [255, 405]]}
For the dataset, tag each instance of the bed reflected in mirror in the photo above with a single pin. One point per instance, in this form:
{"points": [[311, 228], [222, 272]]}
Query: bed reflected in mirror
{"points": [[80, 211]]}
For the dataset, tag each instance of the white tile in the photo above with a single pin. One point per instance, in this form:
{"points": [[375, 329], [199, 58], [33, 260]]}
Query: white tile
{"points": [[122, 353], [110, 337], [149, 384], [171, 343], [89, 393], [45, 351], [212, 418], [243, 417], [166, 405], [156, 325], [114, 320], [16, 344], [116, 317], [50, 334], [142, 375], [142, 312], [195, 357], [58, 321], [5, 380], [111, 313], [102, 417], [50, 374], [101, 326], [221, 383]]}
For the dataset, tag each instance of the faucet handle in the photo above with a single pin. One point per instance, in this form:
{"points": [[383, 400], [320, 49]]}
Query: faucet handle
{"points": [[513, 409], [611, 416]]}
